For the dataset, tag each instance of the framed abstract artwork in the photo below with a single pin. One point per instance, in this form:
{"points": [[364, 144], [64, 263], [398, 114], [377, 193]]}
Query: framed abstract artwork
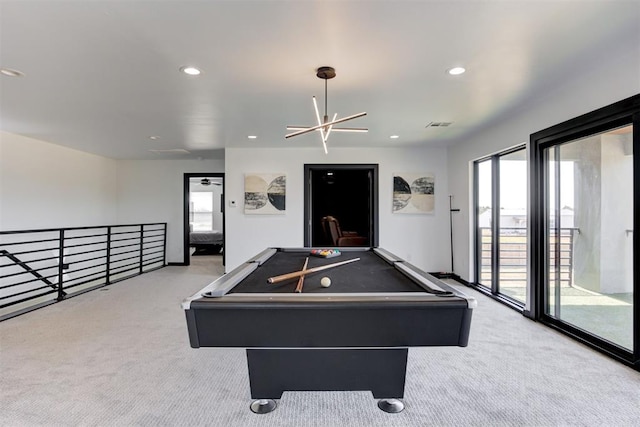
{"points": [[265, 193], [413, 193]]}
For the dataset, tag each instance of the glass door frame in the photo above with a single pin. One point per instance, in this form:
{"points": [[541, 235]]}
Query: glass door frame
{"points": [[494, 289], [625, 112]]}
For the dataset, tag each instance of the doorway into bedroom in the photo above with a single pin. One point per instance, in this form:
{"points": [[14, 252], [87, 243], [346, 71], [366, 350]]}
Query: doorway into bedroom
{"points": [[204, 218]]}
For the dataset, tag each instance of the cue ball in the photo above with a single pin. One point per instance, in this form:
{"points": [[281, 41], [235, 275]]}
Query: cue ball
{"points": [[325, 282]]}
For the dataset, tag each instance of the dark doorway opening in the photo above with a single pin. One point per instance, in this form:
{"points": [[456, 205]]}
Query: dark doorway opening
{"points": [[346, 193]]}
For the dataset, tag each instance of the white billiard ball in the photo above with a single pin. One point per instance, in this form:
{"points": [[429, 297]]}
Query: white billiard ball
{"points": [[325, 282]]}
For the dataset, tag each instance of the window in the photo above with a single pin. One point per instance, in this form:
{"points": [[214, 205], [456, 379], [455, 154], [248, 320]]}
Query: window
{"points": [[201, 212]]}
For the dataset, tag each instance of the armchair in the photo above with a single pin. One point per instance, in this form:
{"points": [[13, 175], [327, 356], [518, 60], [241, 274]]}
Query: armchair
{"points": [[332, 229]]}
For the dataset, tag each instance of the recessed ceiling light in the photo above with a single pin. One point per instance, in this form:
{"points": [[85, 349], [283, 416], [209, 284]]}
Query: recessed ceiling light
{"points": [[456, 71], [11, 73], [394, 136], [192, 71], [154, 137], [252, 137]]}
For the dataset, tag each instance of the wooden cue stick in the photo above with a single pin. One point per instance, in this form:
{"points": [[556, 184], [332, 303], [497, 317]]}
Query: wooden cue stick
{"points": [[301, 279], [295, 274]]}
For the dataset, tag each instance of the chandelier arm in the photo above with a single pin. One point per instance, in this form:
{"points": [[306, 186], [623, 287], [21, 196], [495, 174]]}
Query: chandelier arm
{"points": [[334, 129], [363, 130], [315, 106], [326, 135], [307, 130]]}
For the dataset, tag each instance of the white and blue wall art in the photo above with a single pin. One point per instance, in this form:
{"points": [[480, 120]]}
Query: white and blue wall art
{"points": [[413, 193], [265, 193]]}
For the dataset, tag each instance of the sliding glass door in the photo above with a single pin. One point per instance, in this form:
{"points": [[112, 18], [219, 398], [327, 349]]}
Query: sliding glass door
{"points": [[484, 222], [590, 227], [512, 254], [584, 186], [501, 224]]}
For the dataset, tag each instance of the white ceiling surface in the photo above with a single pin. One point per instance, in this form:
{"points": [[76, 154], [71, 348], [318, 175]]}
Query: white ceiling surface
{"points": [[102, 76]]}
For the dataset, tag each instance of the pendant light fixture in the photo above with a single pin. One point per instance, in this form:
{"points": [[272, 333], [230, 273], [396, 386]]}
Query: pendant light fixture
{"points": [[325, 126]]}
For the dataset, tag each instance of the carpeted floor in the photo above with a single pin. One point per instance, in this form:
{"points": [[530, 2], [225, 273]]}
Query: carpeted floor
{"points": [[121, 357]]}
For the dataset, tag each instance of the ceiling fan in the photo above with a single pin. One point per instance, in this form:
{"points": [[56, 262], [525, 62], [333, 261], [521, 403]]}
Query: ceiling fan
{"points": [[206, 182], [325, 126]]}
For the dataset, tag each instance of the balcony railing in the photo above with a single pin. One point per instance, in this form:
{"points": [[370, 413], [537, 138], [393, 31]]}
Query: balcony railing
{"points": [[41, 267], [513, 255]]}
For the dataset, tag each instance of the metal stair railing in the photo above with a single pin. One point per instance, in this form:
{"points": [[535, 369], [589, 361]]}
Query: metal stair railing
{"points": [[41, 267]]}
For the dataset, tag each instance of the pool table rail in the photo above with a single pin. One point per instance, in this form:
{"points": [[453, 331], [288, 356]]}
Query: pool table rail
{"points": [[224, 284], [434, 314]]}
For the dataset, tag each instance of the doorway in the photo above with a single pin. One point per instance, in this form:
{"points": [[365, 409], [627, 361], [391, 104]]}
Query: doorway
{"points": [[347, 193], [584, 184], [204, 223]]}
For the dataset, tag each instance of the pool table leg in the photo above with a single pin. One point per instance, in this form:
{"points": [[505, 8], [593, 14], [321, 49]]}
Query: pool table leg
{"points": [[263, 406], [393, 406], [381, 370]]}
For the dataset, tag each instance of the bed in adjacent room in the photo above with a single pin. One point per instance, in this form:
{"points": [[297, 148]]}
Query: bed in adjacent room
{"points": [[206, 241]]}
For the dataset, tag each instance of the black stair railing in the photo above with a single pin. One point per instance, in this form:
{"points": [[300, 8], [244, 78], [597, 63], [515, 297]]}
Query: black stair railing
{"points": [[25, 266], [40, 267]]}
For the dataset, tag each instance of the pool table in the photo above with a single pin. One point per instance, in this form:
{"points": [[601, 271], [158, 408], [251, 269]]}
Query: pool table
{"points": [[352, 335]]}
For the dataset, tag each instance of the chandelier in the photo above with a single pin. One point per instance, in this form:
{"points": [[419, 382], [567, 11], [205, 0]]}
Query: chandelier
{"points": [[325, 126]]}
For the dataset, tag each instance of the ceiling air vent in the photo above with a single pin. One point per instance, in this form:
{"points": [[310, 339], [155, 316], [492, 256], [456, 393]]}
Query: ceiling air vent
{"points": [[438, 124], [171, 151]]}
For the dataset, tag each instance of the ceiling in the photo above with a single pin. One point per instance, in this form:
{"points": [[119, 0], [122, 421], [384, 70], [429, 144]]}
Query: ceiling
{"points": [[103, 76]]}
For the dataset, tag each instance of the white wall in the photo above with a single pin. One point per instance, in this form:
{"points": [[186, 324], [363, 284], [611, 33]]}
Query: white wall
{"points": [[617, 78], [43, 185], [421, 239], [152, 191]]}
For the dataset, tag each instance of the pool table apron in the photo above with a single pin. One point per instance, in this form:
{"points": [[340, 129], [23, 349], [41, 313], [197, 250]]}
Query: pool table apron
{"points": [[322, 347]]}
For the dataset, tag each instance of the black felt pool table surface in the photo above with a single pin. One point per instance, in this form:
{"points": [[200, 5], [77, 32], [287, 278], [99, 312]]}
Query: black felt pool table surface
{"points": [[370, 274]]}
